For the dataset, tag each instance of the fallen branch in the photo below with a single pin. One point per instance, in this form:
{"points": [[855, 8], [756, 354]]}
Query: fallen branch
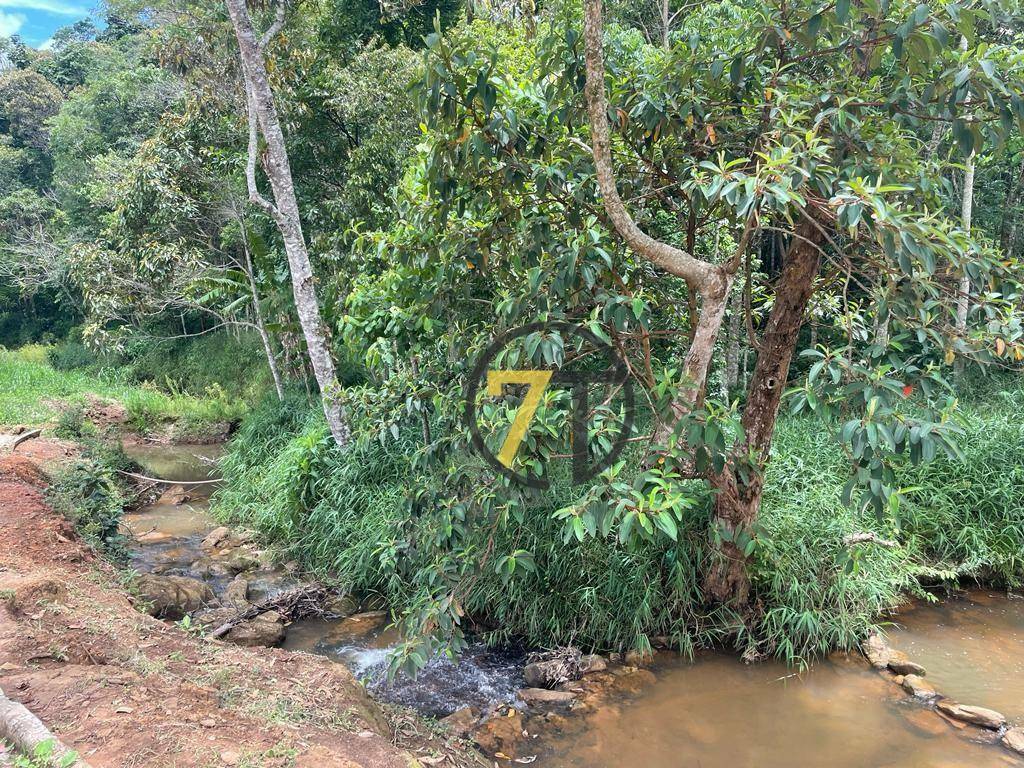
{"points": [[26, 732], [291, 604], [872, 538], [25, 436], [167, 482]]}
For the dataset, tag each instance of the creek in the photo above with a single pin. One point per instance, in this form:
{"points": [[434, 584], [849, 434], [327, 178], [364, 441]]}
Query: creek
{"points": [[713, 712]]}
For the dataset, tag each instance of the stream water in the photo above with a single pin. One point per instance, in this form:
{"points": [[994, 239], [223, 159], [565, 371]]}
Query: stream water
{"points": [[711, 713]]}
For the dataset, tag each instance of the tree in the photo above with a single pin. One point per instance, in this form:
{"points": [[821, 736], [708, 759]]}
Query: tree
{"points": [[27, 101], [601, 181], [262, 116], [738, 480]]}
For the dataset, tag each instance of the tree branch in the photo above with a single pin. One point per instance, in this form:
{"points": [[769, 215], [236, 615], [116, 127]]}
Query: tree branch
{"points": [[700, 275]]}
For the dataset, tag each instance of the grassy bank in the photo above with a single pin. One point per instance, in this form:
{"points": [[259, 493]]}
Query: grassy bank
{"points": [[347, 517], [32, 391]]}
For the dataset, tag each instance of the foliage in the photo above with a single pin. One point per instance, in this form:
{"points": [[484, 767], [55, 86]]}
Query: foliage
{"points": [[347, 517], [44, 756], [91, 494], [32, 392]]}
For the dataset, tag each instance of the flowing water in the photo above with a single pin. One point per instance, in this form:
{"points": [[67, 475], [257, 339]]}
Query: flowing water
{"points": [[170, 538], [170, 535], [718, 713], [972, 647], [712, 713]]}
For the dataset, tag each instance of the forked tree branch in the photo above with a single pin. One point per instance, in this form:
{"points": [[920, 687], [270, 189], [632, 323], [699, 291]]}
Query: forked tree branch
{"points": [[702, 276]]}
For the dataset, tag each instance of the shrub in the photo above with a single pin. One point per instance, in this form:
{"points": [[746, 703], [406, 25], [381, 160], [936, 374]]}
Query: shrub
{"points": [[90, 494], [347, 516]]}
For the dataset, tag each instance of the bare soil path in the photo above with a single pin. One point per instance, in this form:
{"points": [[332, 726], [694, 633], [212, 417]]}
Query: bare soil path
{"points": [[127, 690]]}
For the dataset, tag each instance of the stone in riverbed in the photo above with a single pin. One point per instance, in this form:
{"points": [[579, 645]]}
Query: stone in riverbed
{"points": [[543, 696], [501, 733], [592, 663], [986, 718], [265, 630], [341, 606], [174, 496], [216, 538], [237, 592], [461, 721], [545, 674], [171, 597], [1013, 740], [918, 687], [877, 651], [901, 665]]}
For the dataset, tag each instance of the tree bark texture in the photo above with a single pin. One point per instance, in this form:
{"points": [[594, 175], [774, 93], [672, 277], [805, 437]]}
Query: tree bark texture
{"points": [[285, 211], [738, 503]]}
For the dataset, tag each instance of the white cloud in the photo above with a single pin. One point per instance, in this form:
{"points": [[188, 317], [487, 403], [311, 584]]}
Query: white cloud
{"points": [[58, 7], [10, 23], [46, 45]]}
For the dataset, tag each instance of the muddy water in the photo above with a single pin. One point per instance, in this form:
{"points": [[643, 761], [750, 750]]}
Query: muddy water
{"points": [[712, 713], [972, 647], [170, 535], [718, 713]]}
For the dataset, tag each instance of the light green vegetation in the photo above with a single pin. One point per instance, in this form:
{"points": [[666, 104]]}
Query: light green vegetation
{"points": [[33, 392]]}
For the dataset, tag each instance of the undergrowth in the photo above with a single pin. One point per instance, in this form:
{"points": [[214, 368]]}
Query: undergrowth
{"points": [[32, 391], [91, 494], [346, 516]]}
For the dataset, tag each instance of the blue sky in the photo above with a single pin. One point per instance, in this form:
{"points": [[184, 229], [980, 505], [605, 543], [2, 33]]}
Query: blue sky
{"points": [[37, 20]]}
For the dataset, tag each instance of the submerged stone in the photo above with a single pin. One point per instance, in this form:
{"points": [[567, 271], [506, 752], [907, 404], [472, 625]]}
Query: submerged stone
{"points": [[1013, 740], [918, 687]]}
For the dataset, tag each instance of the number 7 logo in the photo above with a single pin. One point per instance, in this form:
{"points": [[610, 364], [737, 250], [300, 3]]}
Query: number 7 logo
{"points": [[537, 381]]}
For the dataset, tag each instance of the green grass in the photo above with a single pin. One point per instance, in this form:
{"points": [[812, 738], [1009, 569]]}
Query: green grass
{"points": [[346, 517], [33, 392]]}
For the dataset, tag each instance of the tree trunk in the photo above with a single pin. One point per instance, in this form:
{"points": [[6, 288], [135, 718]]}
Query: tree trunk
{"points": [[285, 212], [963, 294], [665, 21], [261, 326], [730, 377], [738, 503]]}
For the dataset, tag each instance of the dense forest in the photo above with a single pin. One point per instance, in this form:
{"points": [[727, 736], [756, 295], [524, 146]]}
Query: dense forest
{"points": [[798, 224]]}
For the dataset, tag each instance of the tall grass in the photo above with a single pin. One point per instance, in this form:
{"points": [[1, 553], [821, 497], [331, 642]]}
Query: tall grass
{"points": [[346, 516], [33, 392]]}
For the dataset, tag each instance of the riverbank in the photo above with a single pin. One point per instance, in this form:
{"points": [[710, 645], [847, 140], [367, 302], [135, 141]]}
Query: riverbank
{"points": [[122, 688], [79, 402]]}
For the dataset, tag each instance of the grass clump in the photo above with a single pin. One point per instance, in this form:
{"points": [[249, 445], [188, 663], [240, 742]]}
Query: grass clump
{"points": [[348, 516]]}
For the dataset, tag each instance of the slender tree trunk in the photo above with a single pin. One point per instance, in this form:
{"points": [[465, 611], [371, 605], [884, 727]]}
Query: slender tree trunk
{"points": [[731, 375], [261, 326], [285, 211], [738, 502], [665, 20], [963, 294]]}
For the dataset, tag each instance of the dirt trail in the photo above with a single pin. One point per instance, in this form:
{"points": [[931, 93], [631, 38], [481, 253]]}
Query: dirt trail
{"points": [[127, 690]]}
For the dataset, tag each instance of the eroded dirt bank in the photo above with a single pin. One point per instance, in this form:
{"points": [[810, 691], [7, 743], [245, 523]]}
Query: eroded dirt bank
{"points": [[124, 689]]}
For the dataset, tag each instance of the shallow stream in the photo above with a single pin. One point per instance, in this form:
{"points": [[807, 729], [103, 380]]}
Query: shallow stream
{"points": [[712, 713]]}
